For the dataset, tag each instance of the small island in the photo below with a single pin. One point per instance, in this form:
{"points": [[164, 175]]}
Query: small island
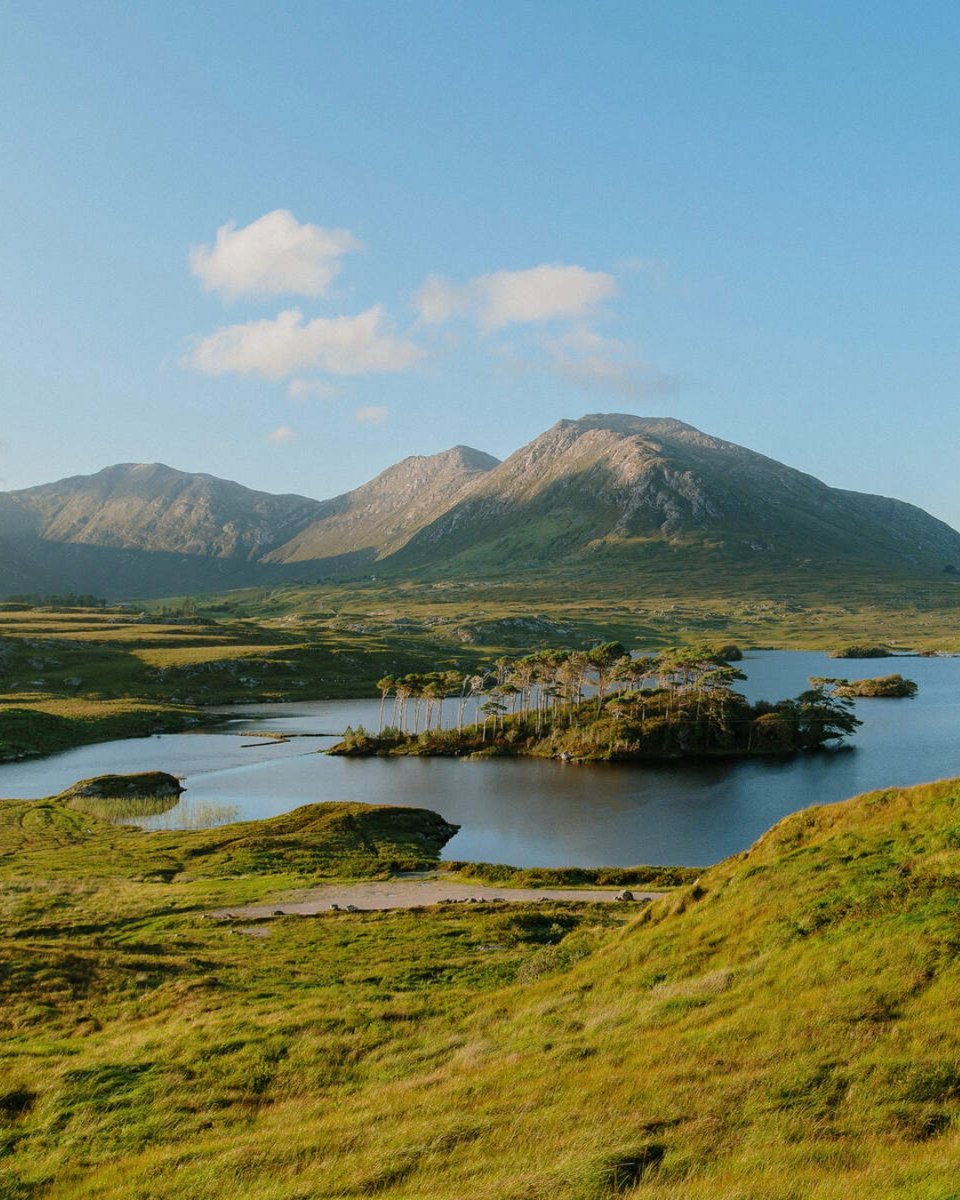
{"points": [[601, 705], [115, 798], [882, 687], [861, 651]]}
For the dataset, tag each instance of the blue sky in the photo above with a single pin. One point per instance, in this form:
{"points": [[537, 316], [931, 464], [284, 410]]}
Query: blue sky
{"points": [[446, 223]]}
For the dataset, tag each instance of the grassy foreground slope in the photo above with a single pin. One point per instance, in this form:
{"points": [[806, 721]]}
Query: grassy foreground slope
{"points": [[784, 1027]]}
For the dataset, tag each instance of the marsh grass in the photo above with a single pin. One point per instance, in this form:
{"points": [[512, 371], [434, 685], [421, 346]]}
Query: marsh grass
{"points": [[189, 814], [124, 808]]}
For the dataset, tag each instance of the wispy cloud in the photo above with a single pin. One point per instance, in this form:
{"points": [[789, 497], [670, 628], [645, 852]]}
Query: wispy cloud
{"points": [[288, 345], [322, 389], [585, 359], [538, 294], [373, 414], [274, 255], [281, 435]]}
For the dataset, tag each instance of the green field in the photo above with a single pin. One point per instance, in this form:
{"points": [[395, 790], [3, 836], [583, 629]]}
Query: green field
{"points": [[782, 1027]]}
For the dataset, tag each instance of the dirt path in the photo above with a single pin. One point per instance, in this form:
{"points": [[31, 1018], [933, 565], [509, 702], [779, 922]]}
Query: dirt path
{"points": [[413, 893]]}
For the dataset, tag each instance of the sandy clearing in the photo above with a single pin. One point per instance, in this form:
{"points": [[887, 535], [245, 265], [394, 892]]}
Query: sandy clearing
{"points": [[414, 893]]}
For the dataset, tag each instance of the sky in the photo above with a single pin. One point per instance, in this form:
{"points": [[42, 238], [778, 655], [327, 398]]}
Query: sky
{"points": [[290, 244]]}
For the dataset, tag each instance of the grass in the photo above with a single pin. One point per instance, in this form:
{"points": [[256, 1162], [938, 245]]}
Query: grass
{"points": [[781, 1026], [649, 608], [45, 726], [563, 877]]}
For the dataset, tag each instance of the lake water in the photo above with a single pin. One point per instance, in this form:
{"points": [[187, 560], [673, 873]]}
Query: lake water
{"points": [[531, 812]]}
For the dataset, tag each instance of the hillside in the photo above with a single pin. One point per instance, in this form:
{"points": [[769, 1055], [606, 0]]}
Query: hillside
{"points": [[619, 484], [608, 496], [379, 517], [782, 1028], [141, 506]]}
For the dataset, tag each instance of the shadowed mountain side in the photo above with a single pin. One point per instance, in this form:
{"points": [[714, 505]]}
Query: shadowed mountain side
{"points": [[128, 574], [20, 570], [382, 515], [17, 520]]}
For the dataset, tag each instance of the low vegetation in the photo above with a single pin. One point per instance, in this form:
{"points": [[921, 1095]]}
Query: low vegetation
{"points": [[501, 875], [881, 687], [45, 725], [118, 671], [781, 1026], [70, 676], [860, 651]]}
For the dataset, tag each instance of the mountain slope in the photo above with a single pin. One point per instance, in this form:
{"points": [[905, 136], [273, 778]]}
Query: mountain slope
{"points": [[381, 516], [147, 529], [141, 506], [617, 481], [606, 497]]}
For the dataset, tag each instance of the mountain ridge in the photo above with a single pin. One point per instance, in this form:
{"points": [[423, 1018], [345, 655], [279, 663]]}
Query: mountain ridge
{"points": [[615, 485]]}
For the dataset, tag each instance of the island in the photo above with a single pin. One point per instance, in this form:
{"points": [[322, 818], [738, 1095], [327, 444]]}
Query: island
{"points": [[882, 687], [601, 704]]}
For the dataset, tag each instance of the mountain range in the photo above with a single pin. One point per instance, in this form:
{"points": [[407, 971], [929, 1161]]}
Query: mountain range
{"points": [[612, 493]]}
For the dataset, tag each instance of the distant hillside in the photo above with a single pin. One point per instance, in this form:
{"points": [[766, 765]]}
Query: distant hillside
{"points": [[379, 517], [147, 529], [612, 495], [140, 506]]}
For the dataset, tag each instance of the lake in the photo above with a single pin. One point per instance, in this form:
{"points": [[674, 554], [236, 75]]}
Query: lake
{"points": [[531, 812]]}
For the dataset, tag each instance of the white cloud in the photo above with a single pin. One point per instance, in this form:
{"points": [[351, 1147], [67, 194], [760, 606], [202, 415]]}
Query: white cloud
{"points": [[300, 389], [373, 414], [587, 359], [544, 293], [283, 433], [437, 300], [275, 255], [287, 345]]}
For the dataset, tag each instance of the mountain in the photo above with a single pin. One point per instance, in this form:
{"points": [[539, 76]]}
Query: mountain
{"points": [[621, 483], [610, 494], [381, 516], [140, 506], [147, 529]]}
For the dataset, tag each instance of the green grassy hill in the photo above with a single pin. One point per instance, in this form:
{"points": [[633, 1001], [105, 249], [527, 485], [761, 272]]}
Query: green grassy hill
{"points": [[785, 1027]]}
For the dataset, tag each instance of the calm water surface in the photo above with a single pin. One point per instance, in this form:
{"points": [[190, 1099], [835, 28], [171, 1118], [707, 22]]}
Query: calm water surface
{"points": [[540, 813]]}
